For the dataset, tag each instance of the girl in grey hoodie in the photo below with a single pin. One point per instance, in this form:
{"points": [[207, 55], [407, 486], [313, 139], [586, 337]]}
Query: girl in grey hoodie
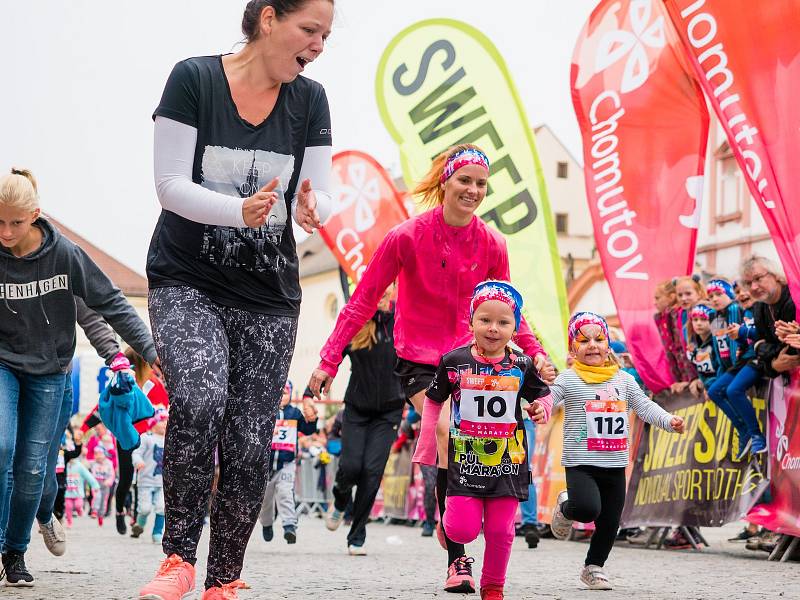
{"points": [[40, 272]]}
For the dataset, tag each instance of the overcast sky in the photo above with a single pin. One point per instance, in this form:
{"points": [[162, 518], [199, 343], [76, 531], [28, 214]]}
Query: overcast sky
{"points": [[80, 80]]}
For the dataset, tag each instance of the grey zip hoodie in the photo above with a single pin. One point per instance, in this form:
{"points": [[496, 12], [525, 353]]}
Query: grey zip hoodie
{"points": [[37, 308]]}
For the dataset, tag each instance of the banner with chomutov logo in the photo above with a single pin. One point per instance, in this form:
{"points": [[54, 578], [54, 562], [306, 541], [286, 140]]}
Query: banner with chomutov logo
{"points": [[644, 126], [366, 205]]}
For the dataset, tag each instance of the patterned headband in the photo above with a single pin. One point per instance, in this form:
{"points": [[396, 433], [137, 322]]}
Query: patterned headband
{"points": [[701, 311], [720, 286], [497, 290], [469, 156], [580, 319]]}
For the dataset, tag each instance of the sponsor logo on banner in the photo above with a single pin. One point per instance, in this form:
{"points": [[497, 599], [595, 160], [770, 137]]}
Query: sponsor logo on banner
{"points": [[644, 126], [440, 83], [747, 58], [695, 478], [366, 205]]}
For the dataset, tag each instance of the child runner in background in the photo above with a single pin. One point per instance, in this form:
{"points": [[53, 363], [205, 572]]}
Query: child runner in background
{"points": [[703, 351], [148, 460], [78, 477], [597, 397], [103, 472], [280, 486], [488, 471]]}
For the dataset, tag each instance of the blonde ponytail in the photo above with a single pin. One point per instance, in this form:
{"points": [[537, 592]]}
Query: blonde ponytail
{"points": [[19, 190]]}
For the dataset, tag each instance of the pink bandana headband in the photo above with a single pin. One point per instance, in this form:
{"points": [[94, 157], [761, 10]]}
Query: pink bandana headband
{"points": [[497, 290], [580, 319], [470, 156], [701, 311]]}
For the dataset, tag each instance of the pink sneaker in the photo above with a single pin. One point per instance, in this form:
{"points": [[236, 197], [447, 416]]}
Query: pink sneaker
{"points": [[459, 576], [492, 592], [226, 591], [173, 581]]}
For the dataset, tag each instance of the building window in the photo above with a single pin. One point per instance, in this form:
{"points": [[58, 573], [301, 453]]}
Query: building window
{"points": [[729, 198], [561, 222], [332, 307], [562, 170]]}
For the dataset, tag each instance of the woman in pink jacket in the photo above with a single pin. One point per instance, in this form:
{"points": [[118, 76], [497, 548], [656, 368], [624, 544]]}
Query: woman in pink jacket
{"points": [[437, 257]]}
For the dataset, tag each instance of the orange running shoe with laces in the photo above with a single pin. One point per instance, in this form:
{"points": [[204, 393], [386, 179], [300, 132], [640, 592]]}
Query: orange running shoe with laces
{"points": [[226, 591], [173, 581]]}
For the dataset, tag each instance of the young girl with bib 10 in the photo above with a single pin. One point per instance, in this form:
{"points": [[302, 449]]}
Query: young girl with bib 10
{"points": [[597, 397], [488, 471]]}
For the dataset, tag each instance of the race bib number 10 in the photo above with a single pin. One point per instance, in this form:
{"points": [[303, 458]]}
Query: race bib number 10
{"points": [[285, 435], [606, 425], [488, 405]]}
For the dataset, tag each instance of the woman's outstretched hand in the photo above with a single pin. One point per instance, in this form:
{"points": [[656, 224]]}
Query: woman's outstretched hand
{"points": [[320, 383]]}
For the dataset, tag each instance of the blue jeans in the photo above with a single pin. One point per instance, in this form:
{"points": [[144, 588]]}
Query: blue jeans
{"points": [[29, 409], [50, 491], [729, 392], [528, 508]]}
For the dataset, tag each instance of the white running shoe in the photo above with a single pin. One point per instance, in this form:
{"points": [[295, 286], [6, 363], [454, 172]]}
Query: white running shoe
{"points": [[595, 578], [54, 536], [356, 550], [333, 518], [560, 525]]}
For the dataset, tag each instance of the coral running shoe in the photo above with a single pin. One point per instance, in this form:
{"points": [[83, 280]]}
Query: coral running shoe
{"points": [[492, 592], [173, 581], [226, 591], [459, 576]]}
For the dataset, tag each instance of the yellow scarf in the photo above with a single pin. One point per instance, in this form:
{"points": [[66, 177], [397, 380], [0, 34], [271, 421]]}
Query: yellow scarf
{"points": [[595, 374]]}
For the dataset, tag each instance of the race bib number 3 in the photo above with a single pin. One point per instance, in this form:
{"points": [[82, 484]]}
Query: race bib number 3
{"points": [[606, 425], [488, 405], [285, 435]]}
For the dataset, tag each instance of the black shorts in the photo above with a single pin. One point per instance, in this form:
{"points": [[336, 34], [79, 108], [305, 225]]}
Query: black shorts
{"points": [[414, 377]]}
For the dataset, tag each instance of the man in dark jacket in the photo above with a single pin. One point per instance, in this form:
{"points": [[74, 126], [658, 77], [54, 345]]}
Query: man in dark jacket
{"points": [[767, 285]]}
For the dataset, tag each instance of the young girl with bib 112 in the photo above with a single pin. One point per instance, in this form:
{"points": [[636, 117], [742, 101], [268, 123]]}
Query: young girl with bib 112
{"points": [[488, 470], [597, 397]]}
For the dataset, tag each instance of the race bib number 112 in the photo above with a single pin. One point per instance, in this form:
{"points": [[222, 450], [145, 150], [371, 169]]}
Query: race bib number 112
{"points": [[607, 425]]}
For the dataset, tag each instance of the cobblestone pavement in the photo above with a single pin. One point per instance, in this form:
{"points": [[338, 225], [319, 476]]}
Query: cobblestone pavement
{"points": [[101, 564]]}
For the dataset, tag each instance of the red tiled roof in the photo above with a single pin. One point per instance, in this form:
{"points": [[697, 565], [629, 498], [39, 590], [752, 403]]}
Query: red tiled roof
{"points": [[125, 278]]}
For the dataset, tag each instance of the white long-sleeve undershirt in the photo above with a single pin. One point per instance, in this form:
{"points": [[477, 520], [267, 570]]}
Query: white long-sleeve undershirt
{"points": [[173, 160]]}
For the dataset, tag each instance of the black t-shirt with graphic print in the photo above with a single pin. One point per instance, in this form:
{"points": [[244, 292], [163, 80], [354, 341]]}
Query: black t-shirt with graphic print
{"points": [[252, 269], [487, 449]]}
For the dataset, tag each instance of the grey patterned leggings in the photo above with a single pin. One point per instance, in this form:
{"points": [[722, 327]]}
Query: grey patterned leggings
{"points": [[225, 369]]}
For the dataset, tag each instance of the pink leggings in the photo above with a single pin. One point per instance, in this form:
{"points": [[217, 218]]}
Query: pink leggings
{"points": [[71, 504], [463, 518]]}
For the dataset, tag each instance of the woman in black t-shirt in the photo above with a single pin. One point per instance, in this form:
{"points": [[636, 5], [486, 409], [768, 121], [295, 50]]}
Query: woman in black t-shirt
{"points": [[373, 407], [241, 142]]}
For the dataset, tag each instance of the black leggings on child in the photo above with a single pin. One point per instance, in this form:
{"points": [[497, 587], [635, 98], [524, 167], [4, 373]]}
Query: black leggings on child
{"points": [[454, 550], [596, 494]]}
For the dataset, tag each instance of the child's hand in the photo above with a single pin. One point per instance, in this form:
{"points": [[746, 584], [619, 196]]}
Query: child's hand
{"points": [[546, 370], [309, 410], [536, 411], [696, 387], [679, 387], [733, 331], [677, 424], [139, 466]]}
